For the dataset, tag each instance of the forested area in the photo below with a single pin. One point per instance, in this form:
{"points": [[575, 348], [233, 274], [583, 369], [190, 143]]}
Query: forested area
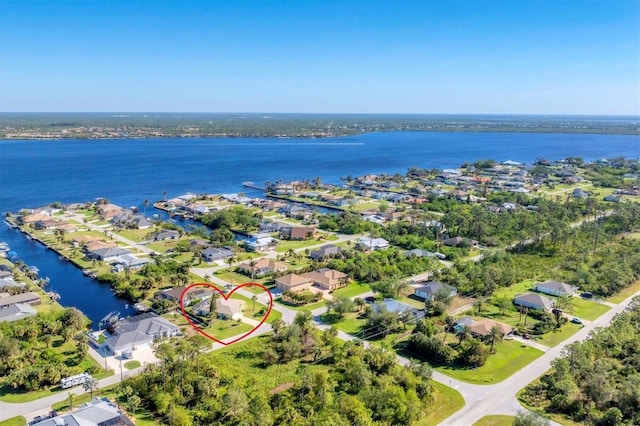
{"points": [[597, 381], [334, 382], [38, 351], [596, 256]]}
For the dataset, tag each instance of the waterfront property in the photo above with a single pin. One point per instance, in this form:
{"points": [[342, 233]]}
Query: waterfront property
{"points": [[16, 311], [138, 332], [212, 254], [28, 298]]}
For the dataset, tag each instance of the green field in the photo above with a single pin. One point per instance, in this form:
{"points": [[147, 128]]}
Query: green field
{"points": [[559, 335], [352, 290], [446, 401], [495, 420], [130, 365], [511, 356], [223, 329], [14, 421], [624, 294], [587, 309]]}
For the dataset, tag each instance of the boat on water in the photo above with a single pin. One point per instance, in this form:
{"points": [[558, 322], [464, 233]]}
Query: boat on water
{"points": [[111, 317]]}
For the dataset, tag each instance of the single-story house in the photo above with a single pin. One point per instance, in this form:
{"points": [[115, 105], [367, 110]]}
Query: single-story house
{"points": [[373, 243], [533, 301], [456, 241], [98, 412], [423, 253], [139, 331], [262, 267], [168, 234], [107, 254], [555, 288], [429, 290], [483, 326], [107, 211], [461, 322], [195, 293], [613, 198], [28, 298], [328, 279], [230, 308], [129, 261], [394, 306], [9, 282], [325, 252], [259, 242], [212, 254], [16, 312], [299, 233], [293, 282]]}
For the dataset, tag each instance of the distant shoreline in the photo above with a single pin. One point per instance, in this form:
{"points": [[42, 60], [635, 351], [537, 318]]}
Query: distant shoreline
{"points": [[55, 137]]}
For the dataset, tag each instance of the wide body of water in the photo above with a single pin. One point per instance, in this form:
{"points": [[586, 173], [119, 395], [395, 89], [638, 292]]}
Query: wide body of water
{"points": [[35, 173]]}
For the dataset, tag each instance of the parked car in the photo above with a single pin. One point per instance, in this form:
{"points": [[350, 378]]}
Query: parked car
{"points": [[526, 336], [370, 299], [586, 295], [576, 320]]}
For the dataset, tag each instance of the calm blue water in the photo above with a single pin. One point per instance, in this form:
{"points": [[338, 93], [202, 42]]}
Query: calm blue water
{"points": [[35, 173]]}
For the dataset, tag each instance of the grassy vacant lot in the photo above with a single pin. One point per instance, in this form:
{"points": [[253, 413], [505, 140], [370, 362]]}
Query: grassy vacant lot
{"points": [[587, 309], [495, 420], [285, 245], [446, 401], [309, 307], [352, 290], [558, 336], [223, 329], [14, 421], [350, 323], [627, 292], [510, 357]]}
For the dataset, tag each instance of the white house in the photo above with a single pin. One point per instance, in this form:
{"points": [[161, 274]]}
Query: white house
{"points": [[555, 288], [433, 288]]}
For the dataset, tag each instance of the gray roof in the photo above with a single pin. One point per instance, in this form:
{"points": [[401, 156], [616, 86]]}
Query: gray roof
{"points": [[148, 323], [434, 288], [557, 286], [16, 312], [533, 298], [30, 298], [110, 251], [464, 321], [94, 413], [125, 339]]}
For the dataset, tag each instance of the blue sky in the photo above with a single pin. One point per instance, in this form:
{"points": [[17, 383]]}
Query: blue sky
{"points": [[476, 56]]}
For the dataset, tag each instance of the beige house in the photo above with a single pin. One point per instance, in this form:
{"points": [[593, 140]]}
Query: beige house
{"points": [[262, 267], [293, 282], [230, 308], [327, 279]]}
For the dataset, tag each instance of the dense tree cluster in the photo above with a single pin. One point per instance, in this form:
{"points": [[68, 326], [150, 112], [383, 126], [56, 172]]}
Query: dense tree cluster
{"points": [[380, 265], [597, 381], [336, 383], [29, 358], [236, 217]]}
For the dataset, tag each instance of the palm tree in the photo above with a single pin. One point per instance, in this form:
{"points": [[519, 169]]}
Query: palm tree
{"points": [[360, 303], [464, 333], [252, 265], [495, 336], [253, 299], [213, 308], [479, 305], [146, 204]]}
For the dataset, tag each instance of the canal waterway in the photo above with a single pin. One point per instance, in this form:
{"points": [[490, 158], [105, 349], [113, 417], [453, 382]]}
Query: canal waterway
{"points": [[127, 172]]}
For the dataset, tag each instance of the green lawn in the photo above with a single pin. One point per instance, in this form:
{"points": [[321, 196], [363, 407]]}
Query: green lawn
{"points": [[309, 307], [625, 293], [446, 401], [223, 329], [511, 356], [130, 365], [587, 309], [14, 421], [285, 245], [495, 420], [557, 336], [350, 323], [135, 235], [352, 290], [518, 288]]}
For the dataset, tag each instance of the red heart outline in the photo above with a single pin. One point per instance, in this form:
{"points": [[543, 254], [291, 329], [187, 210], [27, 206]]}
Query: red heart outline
{"points": [[226, 297]]}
